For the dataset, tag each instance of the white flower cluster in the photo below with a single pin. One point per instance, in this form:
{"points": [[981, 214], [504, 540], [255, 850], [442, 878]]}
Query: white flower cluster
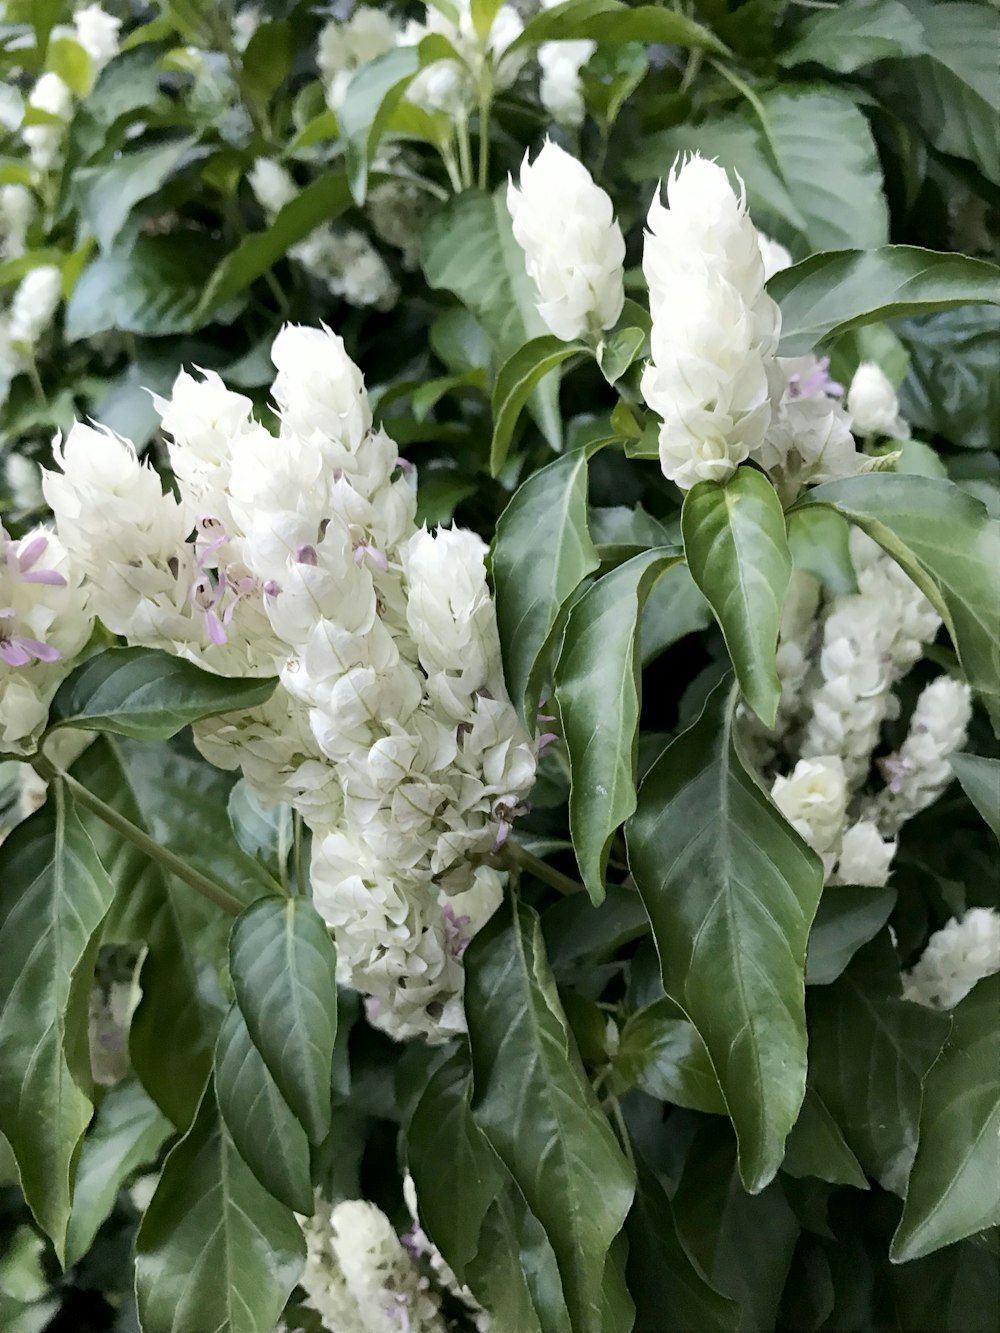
{"points": [[346, 45], [839, 665], [36, 300], [44, 622], [17, 212], [97, 32], [873, 405], [560, 87], [451, 85], [573, 247], [51, 96], [963, 952], [358, 1276], [342, 258], [391, 732]]}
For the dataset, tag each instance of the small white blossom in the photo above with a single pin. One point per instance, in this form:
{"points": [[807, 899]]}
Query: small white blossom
{"points": [[53, 96], [864, 858], [246, 21], [560, 88], [451, 85], [963, 952], [809, 437], [345, 46], [17, 212], [36, 301], [873, 405], [97, 33], [573, 246], [813, 798], [24, 481], [272, 185]]}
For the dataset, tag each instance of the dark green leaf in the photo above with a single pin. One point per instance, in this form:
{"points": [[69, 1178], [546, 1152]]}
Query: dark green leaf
{"points": [[855, 34], [737, 551], [598, 693], [147, 694], [674, 609], [875, 1099], [214, 1251], [846, 919], [954, 1186], [844, 289], [538, 1110], [268, 58], [543, 552], [980, 779], [127, 1133], [612, 21], [54, 894], [661, 1053], [107, 193], [262, 1127], [514, 1275], [731, 891], [952, 386], [515, 382], [816, 1147], [284, 964], [619, 350], [950, 547], [264, 832]]}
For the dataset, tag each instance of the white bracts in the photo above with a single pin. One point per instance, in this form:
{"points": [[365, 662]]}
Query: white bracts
{"points": [[963, 952], [873, 405]]}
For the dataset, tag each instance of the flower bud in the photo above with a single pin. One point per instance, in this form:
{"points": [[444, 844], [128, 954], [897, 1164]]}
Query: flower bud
{"points": [[872, 402]]}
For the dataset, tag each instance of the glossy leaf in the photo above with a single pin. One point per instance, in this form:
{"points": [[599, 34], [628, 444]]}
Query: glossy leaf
{"points": [[538, 1110], [147, 694], [514, 1274], [846, 919], [661, 1052], [54, 894], [954, 1186], [619, 351], [127, 1133], [855, 34], [737, 550], [951, 387], [264, 1131], [980, 779], [110, 191], [515, 382], [598, 693], [543, 552], [731, 891], [264, 832], [844, 289], [214, 1250], [284, 964], [816, 1147], [613, 21], [950, 547], [869, 1053], [372, 96]]}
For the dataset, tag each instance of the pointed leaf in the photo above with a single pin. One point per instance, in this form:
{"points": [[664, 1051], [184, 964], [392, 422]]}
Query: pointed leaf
{"points": [[737, 551], [980, 779], [661, 1052], [619, 351], [598, 693], [518, 376], [538, 1110], [855, 34], [54, 894], [843, 289], [954, 1186], [543, 552], [284, 969], [147, 694], [214, 1250], [514, 1275], [612, 21], [372, 95], [731, 891], [846, 919], [816, 1147]]}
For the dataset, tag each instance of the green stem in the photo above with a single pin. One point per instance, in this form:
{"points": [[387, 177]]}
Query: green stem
{"points": [[300, 863], [485, 100], [525, 860], [172, 863], [465, 150], [616, 1111], [451, 166]]}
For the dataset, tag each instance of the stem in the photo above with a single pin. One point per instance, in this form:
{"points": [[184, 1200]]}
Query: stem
{"points": [[208, 888], [465, 150], [485, 99], [525, 860], [448, 158], [616, 1111], [300, 864]]}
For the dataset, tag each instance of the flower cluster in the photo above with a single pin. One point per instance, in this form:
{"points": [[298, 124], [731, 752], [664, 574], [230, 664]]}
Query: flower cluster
{"points": [[23, 325], [963, 952], [391, 731], [839, 665], [560, 87]]}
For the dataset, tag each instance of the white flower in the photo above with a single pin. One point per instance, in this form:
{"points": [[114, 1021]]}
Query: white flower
{"points": [[864, 858], [245, 23], [319, 388], [814, 801], [36, 301], [561, 89], [346, 261], [873, 405], [450, 85], [957, 956], [272, 185], [53, 96], [573, 246], [17, 212], [97, 33], [44, 622], [809, 437], [345, 46], [774, 255], [715, 329], [24, 480]]}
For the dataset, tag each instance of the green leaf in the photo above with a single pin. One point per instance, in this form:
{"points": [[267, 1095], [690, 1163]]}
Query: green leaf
{"points": [[538, 1110], [619, 350], [372, 95], [875, 1099], [514, 1275], [731, 891], [543, 553], [743, 1243], [674, 609], [816, 1147], [672, 1294], [262, 1127], [951, 387], [846, 919], [322, 200], [737, 551], [127, 1133], [54, 895], [264, 832], [950, 547], [284, 964], [67, 58], [214, 1250], [855, 34], [107, 193], [612, 21], [514, 384], [148, 695], [830, 293], [661, 1052], [980, 779], [598, 692], [819, 542], [456, 1172], [469, 249], [954, 1186], [953, 92], [268, 58]]}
